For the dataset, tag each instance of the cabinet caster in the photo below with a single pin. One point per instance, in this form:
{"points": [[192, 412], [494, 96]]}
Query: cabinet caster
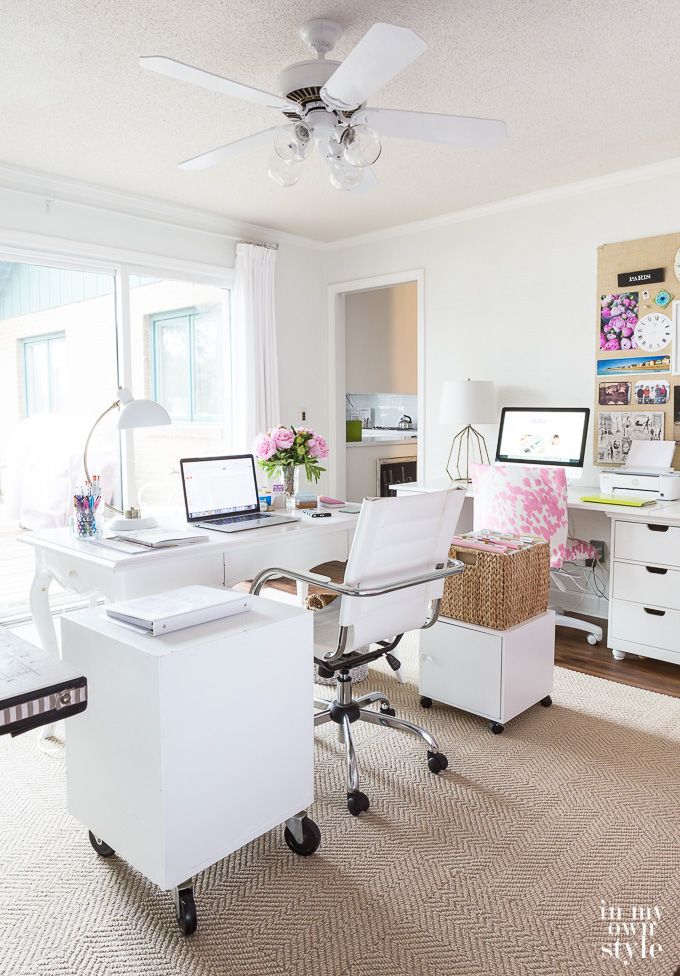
{"points": [[311, 838], [546, 702], [425, 702], [496, 727], [185, 909], [437, 761], [100, 846], [387, 710], [357, 803]]}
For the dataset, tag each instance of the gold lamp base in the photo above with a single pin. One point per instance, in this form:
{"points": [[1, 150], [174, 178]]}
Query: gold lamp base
{"points": [[474, 443]]}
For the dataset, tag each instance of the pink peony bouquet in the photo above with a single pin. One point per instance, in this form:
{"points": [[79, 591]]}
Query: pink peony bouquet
{"points": [[286, 447], [618, 318]]}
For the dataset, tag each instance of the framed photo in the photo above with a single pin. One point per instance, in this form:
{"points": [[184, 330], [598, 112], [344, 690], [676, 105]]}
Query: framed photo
{"points": [[614, 394]]}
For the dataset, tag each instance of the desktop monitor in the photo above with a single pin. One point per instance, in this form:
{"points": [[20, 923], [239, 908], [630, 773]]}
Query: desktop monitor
{"points": [[552, 435]]}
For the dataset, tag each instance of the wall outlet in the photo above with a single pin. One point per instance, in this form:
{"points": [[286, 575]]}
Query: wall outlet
{"points": [[599, 545], [303, 415]]}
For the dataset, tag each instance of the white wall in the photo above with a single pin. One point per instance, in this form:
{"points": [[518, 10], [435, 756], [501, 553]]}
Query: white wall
{"points": [[381, 340], [510, 294]]}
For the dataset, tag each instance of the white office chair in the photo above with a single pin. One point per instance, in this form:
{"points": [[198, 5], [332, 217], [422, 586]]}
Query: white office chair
{"points": [[394, 581]]}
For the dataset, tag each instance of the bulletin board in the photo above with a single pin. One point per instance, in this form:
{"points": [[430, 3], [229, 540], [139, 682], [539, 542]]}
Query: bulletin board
{"points": [[637, 372]]}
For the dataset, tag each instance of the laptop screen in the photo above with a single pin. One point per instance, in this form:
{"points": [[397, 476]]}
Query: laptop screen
{"points": [[216, 486]]}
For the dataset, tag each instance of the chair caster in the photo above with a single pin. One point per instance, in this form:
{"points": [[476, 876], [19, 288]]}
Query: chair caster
{"points": [[311, 838], [185, 909], [100, 846], [387, 710], [437, 761], [592, 639], [496, 727], [357, 803], [425, 702], [546, 702]]}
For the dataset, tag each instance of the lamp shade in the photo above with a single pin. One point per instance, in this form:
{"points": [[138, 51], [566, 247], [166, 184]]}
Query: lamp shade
{"points": [[468, 402], [140, 413]]}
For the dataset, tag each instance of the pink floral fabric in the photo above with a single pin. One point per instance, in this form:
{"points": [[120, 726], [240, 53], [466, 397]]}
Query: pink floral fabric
{"points": [[526, 500], [579, 549]]}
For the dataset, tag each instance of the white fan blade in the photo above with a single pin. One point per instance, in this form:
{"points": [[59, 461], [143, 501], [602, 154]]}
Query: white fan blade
{"points": [[382, 53], [206, 79], [215, 156], [460, 131]]}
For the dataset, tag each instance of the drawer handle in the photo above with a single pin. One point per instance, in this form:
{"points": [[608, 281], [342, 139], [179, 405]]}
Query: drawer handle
{"points": [[654, 612], [659, 570], [657, 528]]}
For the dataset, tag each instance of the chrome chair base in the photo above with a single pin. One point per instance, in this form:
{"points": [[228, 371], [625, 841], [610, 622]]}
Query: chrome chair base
{"points": [[344, 710]]}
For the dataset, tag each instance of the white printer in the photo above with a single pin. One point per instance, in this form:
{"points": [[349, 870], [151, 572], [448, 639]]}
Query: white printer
{"points": [[647, 473]]}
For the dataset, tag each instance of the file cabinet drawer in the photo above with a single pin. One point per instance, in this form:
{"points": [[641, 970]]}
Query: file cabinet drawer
{"points": [[647, 542], [638, 624], [657, 586]]}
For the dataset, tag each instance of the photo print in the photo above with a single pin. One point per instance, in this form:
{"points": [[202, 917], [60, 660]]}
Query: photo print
{"points": [[634, 366], [617, 429], [614, 394], [652, 392], [618, 318], [676, 413]]}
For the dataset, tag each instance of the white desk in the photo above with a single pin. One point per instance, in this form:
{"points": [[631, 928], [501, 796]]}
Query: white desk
{"points": [[222, 561], [644, 578]]}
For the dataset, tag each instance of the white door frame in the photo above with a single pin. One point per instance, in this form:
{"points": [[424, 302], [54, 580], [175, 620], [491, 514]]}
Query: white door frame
{"points": [[336, 367]]}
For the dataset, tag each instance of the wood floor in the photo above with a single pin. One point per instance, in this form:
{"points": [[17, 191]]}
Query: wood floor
{"points": [[574, 652]]}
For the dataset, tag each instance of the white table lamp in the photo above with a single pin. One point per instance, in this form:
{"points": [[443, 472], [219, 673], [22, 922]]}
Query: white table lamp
{"points": [[133, 413], [467, 402]]}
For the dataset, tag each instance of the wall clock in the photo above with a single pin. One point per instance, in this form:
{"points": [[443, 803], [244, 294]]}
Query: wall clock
{"points": [[653, 332], [676, 264]]}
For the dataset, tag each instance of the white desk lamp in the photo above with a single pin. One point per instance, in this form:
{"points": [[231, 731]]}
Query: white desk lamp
{"points": [[467, 402], [133, 413]]}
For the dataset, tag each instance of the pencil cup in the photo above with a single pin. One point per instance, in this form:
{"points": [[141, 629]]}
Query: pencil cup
{"points": [[85, 525]]}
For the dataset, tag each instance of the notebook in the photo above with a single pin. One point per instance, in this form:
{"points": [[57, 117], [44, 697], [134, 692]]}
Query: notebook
{"points": [[619, 500]]}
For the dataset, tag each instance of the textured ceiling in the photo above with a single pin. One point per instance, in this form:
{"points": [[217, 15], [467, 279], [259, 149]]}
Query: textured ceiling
{"points": [[587, 87]]}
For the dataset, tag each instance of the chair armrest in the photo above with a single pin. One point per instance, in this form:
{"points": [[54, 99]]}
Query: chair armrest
{"points": [[452, 567]]}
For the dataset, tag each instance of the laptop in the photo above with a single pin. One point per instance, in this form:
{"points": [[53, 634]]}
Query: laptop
{"points": [[221, 493]]}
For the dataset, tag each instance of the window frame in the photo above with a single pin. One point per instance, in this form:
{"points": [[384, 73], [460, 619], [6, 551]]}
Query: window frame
{"points": [[48, 338], [156, 322]]}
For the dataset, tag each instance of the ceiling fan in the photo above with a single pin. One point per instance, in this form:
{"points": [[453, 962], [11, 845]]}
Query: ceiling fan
{"points": [[324, 103]]}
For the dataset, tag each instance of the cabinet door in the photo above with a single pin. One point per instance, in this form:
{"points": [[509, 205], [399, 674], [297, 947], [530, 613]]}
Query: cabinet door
{"points": [[461, 667]]}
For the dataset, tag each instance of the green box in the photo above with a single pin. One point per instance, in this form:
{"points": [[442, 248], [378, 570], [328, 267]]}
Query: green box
{"points": [[353, 429]]}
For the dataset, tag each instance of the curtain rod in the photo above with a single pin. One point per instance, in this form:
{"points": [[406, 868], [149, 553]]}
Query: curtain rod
{"points": [[274, 247]]}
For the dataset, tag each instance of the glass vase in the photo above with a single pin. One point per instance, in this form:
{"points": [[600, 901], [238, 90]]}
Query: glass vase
{"points": [[291, 483]]}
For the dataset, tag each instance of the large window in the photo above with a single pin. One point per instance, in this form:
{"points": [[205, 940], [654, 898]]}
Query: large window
{"points": [[43, 362], [187, 378]]}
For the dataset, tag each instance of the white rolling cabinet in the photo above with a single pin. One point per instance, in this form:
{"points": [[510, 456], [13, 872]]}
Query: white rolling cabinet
{"points": [[644, 607], [194, 743], [493, 673]]}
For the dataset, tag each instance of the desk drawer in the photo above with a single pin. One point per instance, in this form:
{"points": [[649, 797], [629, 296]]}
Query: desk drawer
{"points": [[636, 623], [656, 586], [647, 542]]}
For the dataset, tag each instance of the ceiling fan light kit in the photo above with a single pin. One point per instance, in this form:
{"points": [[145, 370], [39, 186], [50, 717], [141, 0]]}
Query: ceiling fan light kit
{"points": [[325, 106]]}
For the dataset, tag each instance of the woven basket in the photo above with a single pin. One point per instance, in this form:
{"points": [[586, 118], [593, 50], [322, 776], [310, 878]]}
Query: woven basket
{"points": [[498, 590]]}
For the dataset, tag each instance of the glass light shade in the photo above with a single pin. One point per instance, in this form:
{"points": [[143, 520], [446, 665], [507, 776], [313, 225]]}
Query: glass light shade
{"points": [[468, 402], [292, 142], [360, 145], [283, 173], [343, 176]]}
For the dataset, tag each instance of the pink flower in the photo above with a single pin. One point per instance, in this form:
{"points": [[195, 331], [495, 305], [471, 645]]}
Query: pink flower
{"points": [[283, 437], [626, 331], [605, 314], [603, 340], [612, 344], [616, 323], [317, 447], [625, 343], [264, 447], [632, 318], [633, 342]]}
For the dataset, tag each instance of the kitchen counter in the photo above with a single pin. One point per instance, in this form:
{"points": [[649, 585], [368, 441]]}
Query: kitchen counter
{"points": [[385, 439]]}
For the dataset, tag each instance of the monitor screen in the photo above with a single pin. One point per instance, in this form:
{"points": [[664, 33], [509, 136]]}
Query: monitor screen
{"points": [[219, 486], [553, 435]]}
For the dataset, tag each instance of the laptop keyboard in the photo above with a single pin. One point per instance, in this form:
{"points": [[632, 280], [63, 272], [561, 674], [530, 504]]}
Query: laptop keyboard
{"points": [[239, 518]]}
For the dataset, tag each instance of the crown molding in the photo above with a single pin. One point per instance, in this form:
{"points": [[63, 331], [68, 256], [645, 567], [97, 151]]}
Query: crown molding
{"points": [[640, 174], [59, 188]]}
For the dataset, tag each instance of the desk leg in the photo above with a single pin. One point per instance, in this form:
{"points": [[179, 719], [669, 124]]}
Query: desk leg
{"points": [[40, 606]]}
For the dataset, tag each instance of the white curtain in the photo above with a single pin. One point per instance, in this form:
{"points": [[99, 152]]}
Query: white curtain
{"points": [[255, 376]]}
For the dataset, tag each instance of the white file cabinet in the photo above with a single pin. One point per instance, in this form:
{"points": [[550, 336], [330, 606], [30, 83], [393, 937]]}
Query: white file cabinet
{"points": [[644, 607], [194, 743], [493, 673]]}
